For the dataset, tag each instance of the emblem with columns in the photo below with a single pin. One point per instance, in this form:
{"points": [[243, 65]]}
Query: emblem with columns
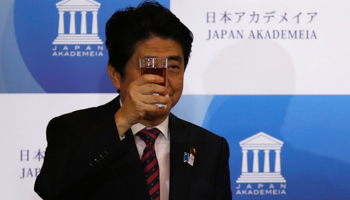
{"points": [[74, 6], [261, 142]]}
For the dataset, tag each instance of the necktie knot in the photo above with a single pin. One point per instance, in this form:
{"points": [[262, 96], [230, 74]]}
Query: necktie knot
{"points": [[149, 135]]}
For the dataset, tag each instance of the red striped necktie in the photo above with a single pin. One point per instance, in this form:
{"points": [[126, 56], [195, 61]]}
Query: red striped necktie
{"points": [[150, 162]]}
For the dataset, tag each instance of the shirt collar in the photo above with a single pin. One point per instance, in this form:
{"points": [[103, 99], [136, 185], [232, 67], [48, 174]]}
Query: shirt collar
{"points": [[163, 127]]}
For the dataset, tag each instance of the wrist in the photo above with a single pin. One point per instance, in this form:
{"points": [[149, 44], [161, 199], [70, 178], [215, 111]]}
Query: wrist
{"points": [[121, 123]]}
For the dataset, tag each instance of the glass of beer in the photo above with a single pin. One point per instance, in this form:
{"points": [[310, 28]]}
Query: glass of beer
{"points": [[157, 66]]}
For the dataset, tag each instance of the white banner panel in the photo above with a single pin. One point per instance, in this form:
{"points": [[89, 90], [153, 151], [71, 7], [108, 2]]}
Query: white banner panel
{"points": [[267, 47]]}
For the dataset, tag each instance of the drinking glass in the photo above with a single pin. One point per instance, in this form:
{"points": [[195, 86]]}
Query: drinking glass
{"points": [[157, 66]]}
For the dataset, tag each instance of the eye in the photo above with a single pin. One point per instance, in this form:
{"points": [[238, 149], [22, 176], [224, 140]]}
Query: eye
{"points": [[174, 67]]}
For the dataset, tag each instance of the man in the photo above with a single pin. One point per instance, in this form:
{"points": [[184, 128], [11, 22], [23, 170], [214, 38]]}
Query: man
{"points": [[101, 153]]}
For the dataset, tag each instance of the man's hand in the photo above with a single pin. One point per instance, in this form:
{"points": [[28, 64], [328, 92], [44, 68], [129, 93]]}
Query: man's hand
{"points": [[139, 103]]}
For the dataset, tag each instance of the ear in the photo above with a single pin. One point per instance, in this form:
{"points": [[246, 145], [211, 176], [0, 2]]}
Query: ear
{"points": [[114, 75]]}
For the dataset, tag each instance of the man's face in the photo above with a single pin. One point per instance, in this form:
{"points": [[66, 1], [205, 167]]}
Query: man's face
{"points": [[158, 48]]}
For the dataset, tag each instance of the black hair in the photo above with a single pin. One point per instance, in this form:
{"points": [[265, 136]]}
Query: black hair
{"points": [[127, 27]]}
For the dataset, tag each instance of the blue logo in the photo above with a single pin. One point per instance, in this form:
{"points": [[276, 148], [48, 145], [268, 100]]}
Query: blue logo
{"points": [[62, 42]]}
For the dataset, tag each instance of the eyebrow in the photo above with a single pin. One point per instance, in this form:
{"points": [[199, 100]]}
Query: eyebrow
{"points": [[176, 58]]}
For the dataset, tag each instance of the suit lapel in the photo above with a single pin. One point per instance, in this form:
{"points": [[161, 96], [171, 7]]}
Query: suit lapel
{"points": [[180, 172], [129, 165], [130, 169]]}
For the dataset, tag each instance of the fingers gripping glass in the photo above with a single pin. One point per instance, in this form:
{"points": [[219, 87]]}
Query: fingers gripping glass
{"points": [[157, 66]]}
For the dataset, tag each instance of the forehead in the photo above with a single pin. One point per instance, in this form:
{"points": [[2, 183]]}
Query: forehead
{"points": [[158, 47]]}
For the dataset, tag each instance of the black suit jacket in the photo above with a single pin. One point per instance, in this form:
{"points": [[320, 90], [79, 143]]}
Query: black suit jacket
{"points": [[85, 159]]}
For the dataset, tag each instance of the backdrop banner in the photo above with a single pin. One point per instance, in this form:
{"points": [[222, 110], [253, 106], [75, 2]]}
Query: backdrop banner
{"points": [[271, 77]]}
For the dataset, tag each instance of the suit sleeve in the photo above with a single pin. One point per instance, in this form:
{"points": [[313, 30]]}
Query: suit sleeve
{"points": [[223, 186], [75, 155]]}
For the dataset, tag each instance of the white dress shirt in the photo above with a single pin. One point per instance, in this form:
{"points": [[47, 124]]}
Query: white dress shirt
{"points": [[162, 148]]}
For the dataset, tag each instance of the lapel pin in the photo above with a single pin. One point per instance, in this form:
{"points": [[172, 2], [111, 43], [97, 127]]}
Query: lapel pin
{"points": [[193, 151], [189, 157]]}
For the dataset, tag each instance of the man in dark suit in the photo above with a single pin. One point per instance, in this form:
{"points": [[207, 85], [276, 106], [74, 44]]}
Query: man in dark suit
{"points": [[101, 152]]}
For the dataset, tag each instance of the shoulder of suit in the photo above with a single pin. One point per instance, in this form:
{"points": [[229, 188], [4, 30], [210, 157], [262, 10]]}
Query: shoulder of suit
{"points": [[87, 115]]}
